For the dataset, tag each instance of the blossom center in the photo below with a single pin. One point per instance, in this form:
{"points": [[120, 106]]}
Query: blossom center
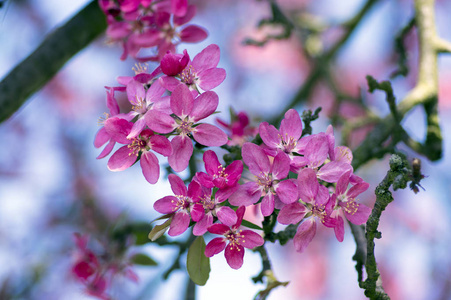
{"points": [[182, 202], [140, 106], [265, 181], [319, 211], [235, 239], [136, 146], [350, 206], [287, 143], [188, 75], [185, 127]]}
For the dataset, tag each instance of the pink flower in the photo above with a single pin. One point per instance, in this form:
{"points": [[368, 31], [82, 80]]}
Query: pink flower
{"points": [[143, 101], [344, 201], [173, 64], [234, 241], [217, 175], [239, 129], [310, 208], [102, 136], [179, 205], [202, 71], [188, 112], [268, 183], [119, 129], [208, 207], [286, 139]]}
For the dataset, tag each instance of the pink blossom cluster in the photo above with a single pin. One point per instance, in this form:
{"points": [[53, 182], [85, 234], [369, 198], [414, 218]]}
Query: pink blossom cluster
{"points": [[303, 180], [155, 116], [157, 24], [96, 273]]}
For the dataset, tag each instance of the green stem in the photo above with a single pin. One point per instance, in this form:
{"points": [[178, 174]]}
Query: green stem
{"points": [[39, 67]]}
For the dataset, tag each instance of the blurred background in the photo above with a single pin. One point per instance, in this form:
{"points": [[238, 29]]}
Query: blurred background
{"points": [[52, 185]]}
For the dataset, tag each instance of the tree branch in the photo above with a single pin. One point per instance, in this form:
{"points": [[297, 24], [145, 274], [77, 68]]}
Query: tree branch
{"points": [[40, 66]]}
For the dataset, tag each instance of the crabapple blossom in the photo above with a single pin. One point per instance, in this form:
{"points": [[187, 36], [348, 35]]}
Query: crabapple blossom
{"points": [[119, 129], [310, 208], [180, 204], [188, 111], [234, 241], [239, 129], [268, 182], [202, 71]]}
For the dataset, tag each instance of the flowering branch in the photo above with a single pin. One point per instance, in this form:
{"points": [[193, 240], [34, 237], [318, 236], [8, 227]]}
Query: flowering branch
{"points": [[39, 67]]}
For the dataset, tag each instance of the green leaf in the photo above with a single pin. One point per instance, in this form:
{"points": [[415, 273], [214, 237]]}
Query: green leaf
{"points": [[159, 230], [143, 260], [251, 225], [197, 263]]}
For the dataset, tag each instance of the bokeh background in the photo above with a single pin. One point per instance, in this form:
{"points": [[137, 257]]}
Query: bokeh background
{"points": [[51, 184]]}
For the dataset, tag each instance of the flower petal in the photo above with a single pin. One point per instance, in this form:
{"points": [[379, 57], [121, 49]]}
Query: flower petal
{"points": [[200, 228], [255, 158], [166, 205], [251, 239], [280, 166], [182, 149], [215, 246], [211, 78], [150, 167], [210, 135], [292, 213], [226, 215], [332, 171], [287, 191], [182, 101], [304, 235], [234, 256], [308, 185], [267, 205], [204, 105], [291, 126], [177, 185], [160, 144], [179, 224], [159, 121], [121, 160], [207, 58]]}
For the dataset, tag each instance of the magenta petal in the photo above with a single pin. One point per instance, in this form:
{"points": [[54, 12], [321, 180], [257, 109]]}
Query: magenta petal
{"points": [[342, 183], [160, 144], [287, 191], [179, 224], [159, 121], [317, 150], [360, 216], [343, 154], [218, 229], [154, 92], [210, 135], [179, 7], [200, 228], [166, 205], [280, 166], [251, 239], [138, 126], [182, 101], [177, 185], [197, 212], [194, 191], [267, 205], [215, 246], [193, 34], [291, 126], [185, 18], [269, 134], [207, 58], [332, 171], [247, 194], [224, 193], [107, 150], [205, 180], [234, 171], [308, 185], [304, 235], [101, 138], [150, 167], [339, 229], [182, 149], [204, 105], [170, 83], [135, 92], [292, 213], [256, 159], [121, 160], [211, 162], [211, 78], [357, 189], [239, 214], [234, 256], [226, 215], [118, 129]]}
